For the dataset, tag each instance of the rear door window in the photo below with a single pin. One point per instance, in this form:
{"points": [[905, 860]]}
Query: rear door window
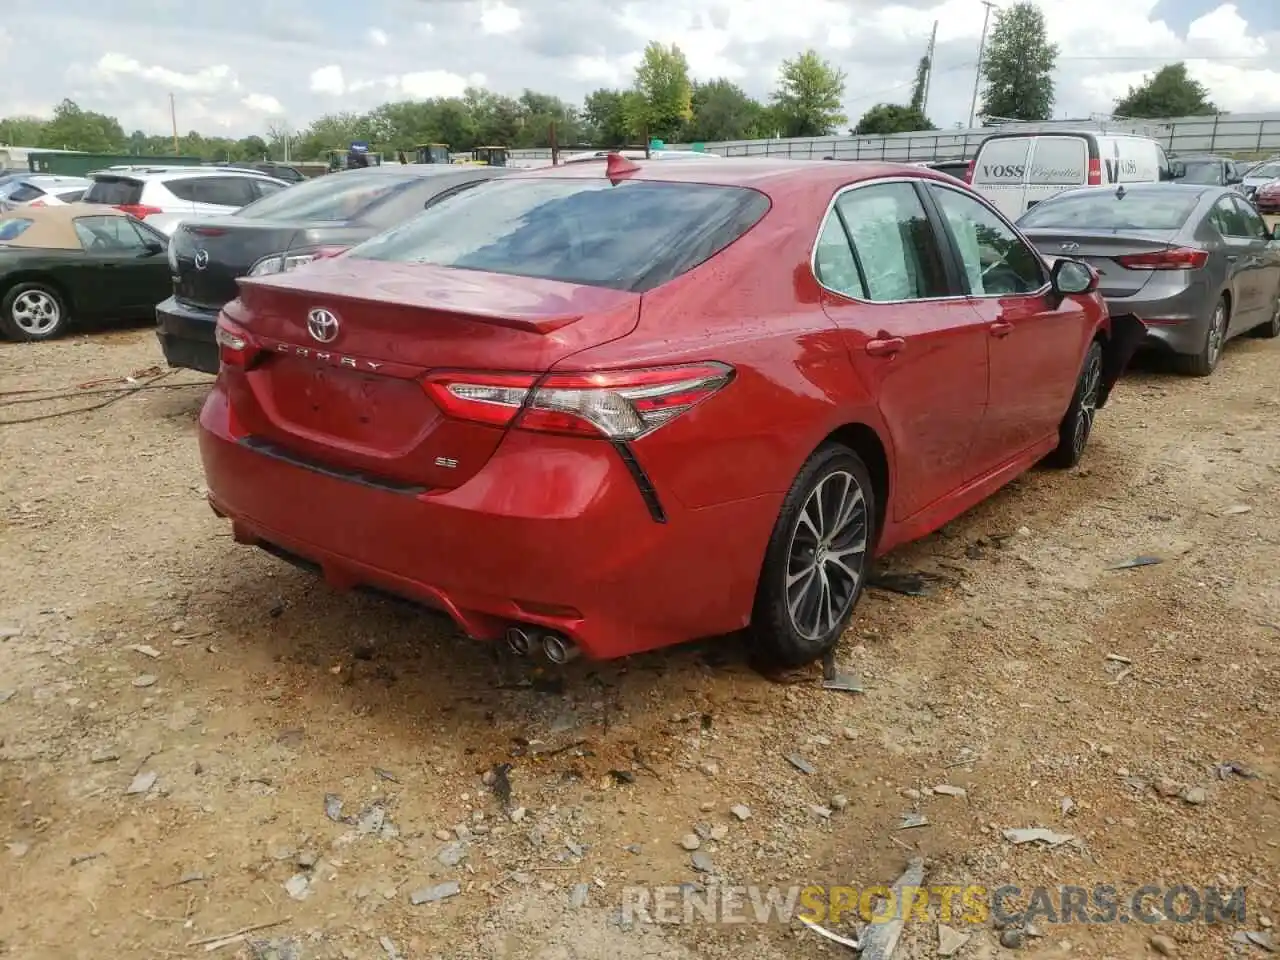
{"points": [[1253, 222], [223, 191], [894, 242], [634, 235], [1226, 216], [1059, 161], [116, 191], [1002, 161]]}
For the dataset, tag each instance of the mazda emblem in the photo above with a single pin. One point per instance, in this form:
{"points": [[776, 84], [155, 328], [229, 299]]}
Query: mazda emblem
{"points": [[322, 325], [202, 259]]}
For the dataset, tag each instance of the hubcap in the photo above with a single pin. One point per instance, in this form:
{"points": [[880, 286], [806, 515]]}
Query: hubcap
{"points": [[35, 312], [1217, 329], [1090, 388], [828, 551]]}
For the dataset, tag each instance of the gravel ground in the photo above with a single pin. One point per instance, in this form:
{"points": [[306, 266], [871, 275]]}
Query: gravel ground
{"points": [[199, 739]]}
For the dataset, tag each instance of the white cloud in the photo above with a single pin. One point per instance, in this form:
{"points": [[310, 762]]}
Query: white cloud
{"points": [[262, 103], [1224, 32], [112, 66], [328, 80], [378, 37], [497, 17], [437, 83]]}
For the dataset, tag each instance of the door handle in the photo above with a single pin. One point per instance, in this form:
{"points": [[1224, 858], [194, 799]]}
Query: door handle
{"points": [[885, 347], [1232, 257], [1001, 328]]}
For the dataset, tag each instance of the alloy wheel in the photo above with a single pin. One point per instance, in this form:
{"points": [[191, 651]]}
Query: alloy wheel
{"points": [[827, 555], [36, 312], [1090, 389], [1217, 334]]}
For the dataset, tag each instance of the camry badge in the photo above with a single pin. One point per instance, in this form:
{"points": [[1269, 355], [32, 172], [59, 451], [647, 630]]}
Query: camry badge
{"points": [[322, 325], [202, 259]]}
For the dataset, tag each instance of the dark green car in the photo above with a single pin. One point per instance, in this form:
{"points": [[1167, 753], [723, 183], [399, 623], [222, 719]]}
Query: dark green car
{"points": [[77, 262]]}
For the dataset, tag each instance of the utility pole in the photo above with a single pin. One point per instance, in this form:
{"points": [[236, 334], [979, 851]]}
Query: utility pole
{"points": [[173, 118], [982, 47], [928, 77]]}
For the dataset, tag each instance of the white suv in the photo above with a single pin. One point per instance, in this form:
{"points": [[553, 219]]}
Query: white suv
{"points": [[165, 196]]}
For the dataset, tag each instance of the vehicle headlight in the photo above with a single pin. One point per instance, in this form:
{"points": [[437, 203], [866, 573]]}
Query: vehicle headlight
{"points": [[280, 263]]}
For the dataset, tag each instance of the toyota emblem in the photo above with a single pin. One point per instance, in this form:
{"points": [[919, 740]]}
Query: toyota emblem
{"points": [[202, 259], [322, 325]]}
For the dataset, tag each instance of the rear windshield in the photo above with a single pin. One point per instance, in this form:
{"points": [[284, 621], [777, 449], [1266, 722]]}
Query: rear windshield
{"points": [[1266, 170], [634, 235], [12, 228], [117, 191], [1148, 210], [332, 197], [1203, 171], [24, 192]]}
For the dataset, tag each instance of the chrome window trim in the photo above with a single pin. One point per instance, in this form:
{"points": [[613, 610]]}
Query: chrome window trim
{"points": [[880, 181]]}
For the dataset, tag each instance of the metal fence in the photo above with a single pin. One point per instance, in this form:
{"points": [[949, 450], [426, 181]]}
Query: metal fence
{"points": [[1242, 136]]}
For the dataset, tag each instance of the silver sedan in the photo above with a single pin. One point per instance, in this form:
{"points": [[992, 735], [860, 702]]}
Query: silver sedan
{"points": [[1196, 263]]}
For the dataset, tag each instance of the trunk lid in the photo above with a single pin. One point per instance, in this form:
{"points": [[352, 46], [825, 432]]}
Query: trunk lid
{"points": [[356, 402], [1100, 248], [234, 244]]}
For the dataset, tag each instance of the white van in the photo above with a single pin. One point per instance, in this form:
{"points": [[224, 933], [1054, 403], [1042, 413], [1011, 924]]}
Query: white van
{"points": [[1015, 171]]}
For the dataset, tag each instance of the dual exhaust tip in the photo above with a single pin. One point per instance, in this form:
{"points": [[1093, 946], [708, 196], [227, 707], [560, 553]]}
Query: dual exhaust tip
{"points": [[556, 648]]}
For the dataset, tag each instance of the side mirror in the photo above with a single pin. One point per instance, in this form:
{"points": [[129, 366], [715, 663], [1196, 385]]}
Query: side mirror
{"points": [[1072, 278], [152, 247]]}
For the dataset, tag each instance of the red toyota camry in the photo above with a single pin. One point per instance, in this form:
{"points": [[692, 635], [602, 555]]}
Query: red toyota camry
{"points": [[618, 405]]}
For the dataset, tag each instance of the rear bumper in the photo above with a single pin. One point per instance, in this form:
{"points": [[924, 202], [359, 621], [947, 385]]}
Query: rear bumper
{"points": [[552, 533], [186, 336], [1177, 323]]}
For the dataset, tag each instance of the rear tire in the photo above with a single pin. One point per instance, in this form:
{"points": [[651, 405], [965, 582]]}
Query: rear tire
{"points": [[1077, 424], [32, 312], [1271, 329], [817, 558], [1202, 364]]}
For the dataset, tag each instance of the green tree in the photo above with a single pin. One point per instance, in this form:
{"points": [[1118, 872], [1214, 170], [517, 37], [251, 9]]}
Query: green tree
{"points": [[604, 113], [1169, 92], [723, 111], [1018, 66], [807, 102], [21, 131], [663, 100], [75, 129], [885, 118]]}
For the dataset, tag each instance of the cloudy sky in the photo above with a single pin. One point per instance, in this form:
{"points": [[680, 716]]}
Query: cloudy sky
{"points": [[236, 67]]}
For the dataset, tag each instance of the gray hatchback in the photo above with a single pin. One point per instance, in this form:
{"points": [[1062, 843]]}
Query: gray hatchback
{"points": [[1196, 263]]}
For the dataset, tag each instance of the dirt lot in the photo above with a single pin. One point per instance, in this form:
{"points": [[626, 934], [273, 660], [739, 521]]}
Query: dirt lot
{"points": [[140, 644]]}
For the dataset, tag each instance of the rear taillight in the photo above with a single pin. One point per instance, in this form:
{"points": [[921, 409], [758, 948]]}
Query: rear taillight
{"points": [[235, 349], [284, 262], [968, 172], [1095, 172], [614, 404], [138, 210], [1178, 258]]}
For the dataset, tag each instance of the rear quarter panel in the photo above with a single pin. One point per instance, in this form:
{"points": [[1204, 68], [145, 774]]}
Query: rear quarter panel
{"points": [[754, 305]]}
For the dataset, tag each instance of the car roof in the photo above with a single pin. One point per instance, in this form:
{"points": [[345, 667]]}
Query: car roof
{"points": [[423, 171], [52, 228], [171, 171], [760, 173]]}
